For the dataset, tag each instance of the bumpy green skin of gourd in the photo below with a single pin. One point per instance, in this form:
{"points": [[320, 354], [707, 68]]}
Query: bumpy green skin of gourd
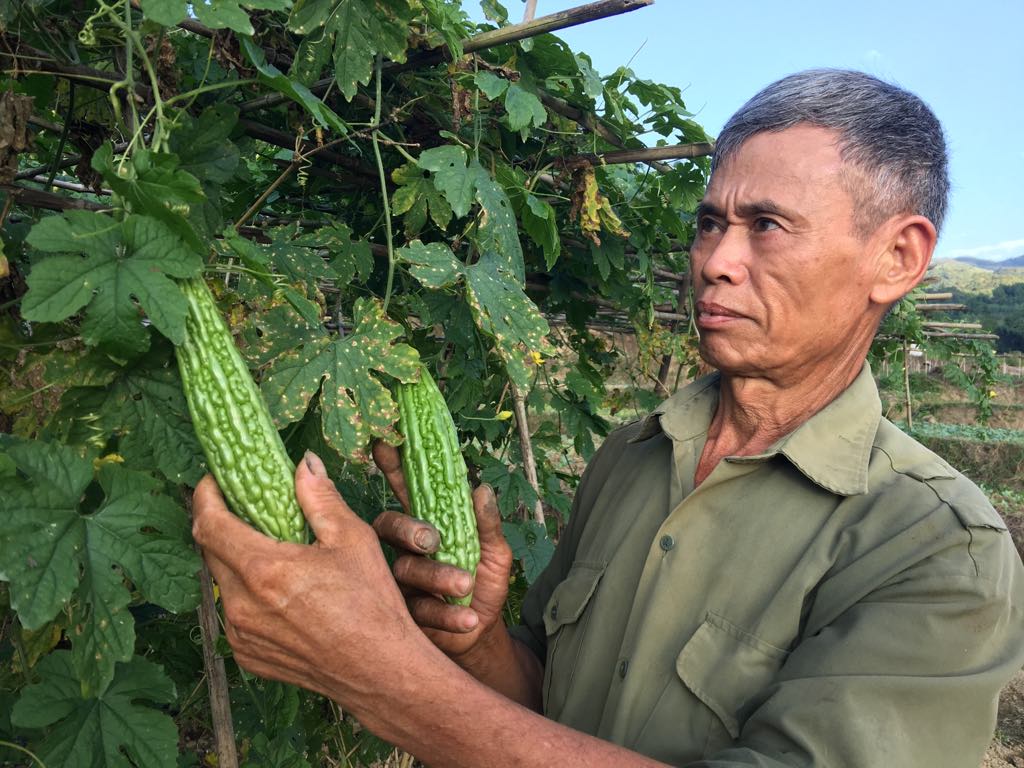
{"points": [[435, 473], [231, 420]]}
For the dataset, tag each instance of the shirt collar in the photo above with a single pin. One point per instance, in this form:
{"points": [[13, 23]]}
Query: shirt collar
{"points": [[832, 448]]}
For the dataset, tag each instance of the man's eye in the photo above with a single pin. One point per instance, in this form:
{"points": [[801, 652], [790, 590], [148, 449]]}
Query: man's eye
{"points": [[707, 224], [763, 224]]}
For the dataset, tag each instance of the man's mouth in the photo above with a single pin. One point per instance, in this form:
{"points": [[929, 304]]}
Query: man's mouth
{"points": [[711, 312]]}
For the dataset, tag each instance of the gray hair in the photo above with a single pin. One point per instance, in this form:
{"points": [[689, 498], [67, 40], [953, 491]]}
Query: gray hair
{"points": [[890, 138]]}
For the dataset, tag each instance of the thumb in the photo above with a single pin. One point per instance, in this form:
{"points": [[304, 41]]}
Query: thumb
{"points": [[488, 519], [325, 510]]}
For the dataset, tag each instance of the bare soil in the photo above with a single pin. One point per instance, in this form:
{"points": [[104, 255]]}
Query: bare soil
{"points": [[1007, 748]]}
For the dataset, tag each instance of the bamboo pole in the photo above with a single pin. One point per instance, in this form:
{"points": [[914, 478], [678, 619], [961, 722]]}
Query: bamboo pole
{"points": [[935, 296], [945, 335], [649, 154], [572, 17], [965, 326], [38, 198], [941, 307]]}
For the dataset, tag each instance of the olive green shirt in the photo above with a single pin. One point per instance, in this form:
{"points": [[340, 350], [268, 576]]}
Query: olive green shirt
{"points": [[843, 599]]}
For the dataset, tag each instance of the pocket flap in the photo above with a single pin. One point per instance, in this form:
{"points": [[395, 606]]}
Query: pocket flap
{"points": [[567, 601], [725, 666]]}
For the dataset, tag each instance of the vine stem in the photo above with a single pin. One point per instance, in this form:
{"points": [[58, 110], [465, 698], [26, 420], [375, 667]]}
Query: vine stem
{"points": [[12, 745], [383, 188], [255, 207]]}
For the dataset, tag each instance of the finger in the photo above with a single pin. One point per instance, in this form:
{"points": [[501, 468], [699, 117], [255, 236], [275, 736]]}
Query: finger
{"points": [[388, 460], [432, 577], [407, 533], [222, 535], [432, 613], [325, 510]]}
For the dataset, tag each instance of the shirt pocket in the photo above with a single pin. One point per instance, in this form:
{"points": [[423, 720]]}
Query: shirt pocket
{"points": [[565, 622], [725, 667]]}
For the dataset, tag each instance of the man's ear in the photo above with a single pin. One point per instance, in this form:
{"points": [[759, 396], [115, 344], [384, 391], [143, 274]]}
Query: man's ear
{"points": [[904, 251]]}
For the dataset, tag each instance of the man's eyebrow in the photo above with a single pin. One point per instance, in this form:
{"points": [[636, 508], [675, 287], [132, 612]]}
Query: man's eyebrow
{"points": [[757, 207], [704, 208], [746, 210]]}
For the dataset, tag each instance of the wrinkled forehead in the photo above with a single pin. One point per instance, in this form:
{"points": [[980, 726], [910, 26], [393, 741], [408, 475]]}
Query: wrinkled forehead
{"points": [[798, 164]]}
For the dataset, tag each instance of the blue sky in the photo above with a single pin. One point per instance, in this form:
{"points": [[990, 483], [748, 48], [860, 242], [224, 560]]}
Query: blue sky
{"points": [[966, 60]]}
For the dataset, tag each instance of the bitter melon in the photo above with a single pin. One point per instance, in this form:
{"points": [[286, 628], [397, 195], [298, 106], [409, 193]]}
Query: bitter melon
{"points": [[435, 473], [231, 420]]}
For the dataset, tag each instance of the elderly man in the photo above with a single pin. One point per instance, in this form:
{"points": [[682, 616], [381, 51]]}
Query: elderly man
{"points": [[763, 572]]}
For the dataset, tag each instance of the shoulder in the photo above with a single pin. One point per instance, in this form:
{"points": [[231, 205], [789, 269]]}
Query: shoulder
{"points": [[912, 466]]}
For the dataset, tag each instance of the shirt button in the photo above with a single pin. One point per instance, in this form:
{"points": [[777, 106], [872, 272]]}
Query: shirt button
{"points": [[667, 542], [623, 667], [554, 611]]}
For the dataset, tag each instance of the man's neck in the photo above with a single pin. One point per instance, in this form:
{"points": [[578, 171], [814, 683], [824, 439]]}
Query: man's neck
{"points": [[754, 413]]}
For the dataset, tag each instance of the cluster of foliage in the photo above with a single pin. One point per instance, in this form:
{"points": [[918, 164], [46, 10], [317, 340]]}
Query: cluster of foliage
{"points": [[417, 203], [904, 331]]}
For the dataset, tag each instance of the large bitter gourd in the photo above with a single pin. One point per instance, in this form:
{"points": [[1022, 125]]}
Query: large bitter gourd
{"points": [[243, 449], [435, 473]]}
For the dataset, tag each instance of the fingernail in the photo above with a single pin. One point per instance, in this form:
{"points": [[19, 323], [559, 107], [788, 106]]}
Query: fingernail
{"points": [[426, 539], [314, 464]]}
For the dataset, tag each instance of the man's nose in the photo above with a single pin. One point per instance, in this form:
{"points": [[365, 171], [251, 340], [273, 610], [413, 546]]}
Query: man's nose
{"points": [[725, 258]]}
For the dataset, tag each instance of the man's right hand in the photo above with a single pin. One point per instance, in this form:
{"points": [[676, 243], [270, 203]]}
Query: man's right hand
{"points": [[461, 632]]}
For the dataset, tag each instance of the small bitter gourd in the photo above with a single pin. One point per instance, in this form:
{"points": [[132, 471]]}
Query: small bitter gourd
{"points": [[435, 473], [243, 449]]}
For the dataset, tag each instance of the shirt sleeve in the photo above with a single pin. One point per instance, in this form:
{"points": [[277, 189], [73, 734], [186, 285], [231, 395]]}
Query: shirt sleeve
{"points": [[908, 676]]}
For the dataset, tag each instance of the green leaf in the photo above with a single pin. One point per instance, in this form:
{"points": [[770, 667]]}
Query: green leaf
{"points": [[451, 176], [530, 546], [203, 144], [116, 269], [346, 258], [44, 505], [360, 29], [296, 91], [151, 184], [415, 196], [506, 314], [541, 224], [145, 408], [104, 731], [51, 552], [216, 14], [356, 406], [524, 109], [268, 334], [499, 231], [592, 85], [450, 21], [494, 11], [434, 265], [610, 254], [492, 85]]}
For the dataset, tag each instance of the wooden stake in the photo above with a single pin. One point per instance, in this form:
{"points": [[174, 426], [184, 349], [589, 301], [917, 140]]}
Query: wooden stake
{"points": [[216, 677], [906, 382], [526, 448]]}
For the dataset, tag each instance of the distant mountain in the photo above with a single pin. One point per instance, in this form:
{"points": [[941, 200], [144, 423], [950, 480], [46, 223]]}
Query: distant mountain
{"points": [[1016, 261], [975, 275]]}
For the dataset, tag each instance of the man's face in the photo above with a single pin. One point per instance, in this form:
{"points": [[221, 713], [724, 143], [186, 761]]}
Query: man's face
{"points": [[781, 279]]}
